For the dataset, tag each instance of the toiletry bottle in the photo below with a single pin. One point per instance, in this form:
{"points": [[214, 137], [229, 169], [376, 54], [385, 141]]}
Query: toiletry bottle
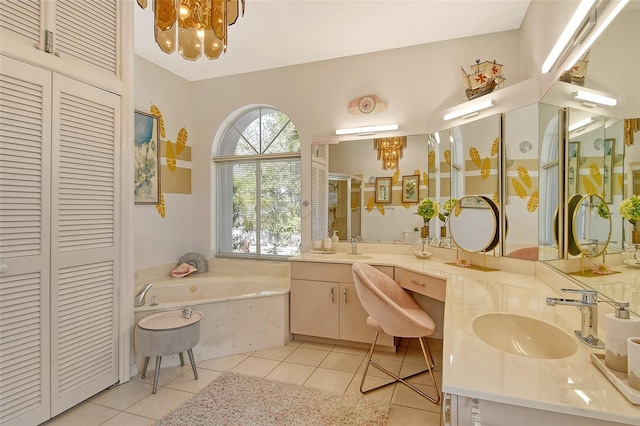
{"points": [[619, 327], [334, 237]]}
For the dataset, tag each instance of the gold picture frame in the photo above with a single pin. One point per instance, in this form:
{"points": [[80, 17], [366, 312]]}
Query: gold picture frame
{"points": [[146, 153], [410, 188], [383, 190]]}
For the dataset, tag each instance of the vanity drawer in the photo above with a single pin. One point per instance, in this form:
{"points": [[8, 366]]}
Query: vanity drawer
{"points": [[337, 272], [421, 283]]}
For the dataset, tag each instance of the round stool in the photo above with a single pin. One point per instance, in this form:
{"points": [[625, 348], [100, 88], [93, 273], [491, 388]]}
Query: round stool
{"points": [[167, 333]]}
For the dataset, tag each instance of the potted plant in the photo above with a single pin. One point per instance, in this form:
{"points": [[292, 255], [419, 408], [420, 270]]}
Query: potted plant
{"points": [[427, 209], [447, 206], [629, 208]]}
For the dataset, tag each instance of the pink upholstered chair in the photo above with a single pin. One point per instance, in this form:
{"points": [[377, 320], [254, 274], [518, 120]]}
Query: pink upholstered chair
{"points": [[394, 312]]}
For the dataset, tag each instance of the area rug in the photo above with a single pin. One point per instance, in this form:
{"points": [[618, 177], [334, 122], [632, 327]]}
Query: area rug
{"points": [[235, 399]]}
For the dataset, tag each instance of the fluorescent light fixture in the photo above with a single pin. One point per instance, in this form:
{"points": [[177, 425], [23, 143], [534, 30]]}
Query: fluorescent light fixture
{"points": [[324, 140], [580, 123], [593, 37], [367, 129], [578, 16], [470, 109], [437, 135], [583, 95]]}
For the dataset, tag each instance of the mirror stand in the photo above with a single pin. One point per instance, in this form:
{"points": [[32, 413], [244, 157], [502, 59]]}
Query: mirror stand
{"points": [[464, 263]]}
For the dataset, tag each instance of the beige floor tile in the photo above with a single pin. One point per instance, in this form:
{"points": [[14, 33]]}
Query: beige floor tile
{"points": [[159, 405], [188, 383], [382, 394], [222, 364], [391, 365], [277, 354], [85, 414], [294, 342], [166, 374], [330, 380], [350, 350], [342, 362], [307, 356], [291, 373], [317, 345], [124, 395], [398, 355], [403, 416], [435, 344], [423, 378], [408, 398], [255, 367], [414, 356], [127, 419]]}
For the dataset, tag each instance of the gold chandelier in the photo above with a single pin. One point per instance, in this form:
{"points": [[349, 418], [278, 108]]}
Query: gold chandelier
{"points": [[390, 150], [201, 25]]}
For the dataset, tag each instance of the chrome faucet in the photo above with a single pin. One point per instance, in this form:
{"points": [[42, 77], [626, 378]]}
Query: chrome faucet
{"points": [[139, 299], [588, 306], [354, 245]]}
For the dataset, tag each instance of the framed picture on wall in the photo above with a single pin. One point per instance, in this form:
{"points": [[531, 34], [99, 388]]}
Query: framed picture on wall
{"points": [[410, 188], [383, 190], [146, 153]]}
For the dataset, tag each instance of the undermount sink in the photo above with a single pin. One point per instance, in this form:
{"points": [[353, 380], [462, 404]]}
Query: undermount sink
{"points": [[353, 256], [524, 336]]}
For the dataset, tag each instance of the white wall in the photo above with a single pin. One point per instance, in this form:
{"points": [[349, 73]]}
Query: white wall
{"points": [[159, 241], [415, 82]]}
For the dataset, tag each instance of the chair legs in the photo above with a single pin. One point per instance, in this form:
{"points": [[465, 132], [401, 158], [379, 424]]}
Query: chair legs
{"points": [[428, 357]]}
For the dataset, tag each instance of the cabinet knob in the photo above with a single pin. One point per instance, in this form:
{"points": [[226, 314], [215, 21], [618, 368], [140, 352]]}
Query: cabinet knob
{"points": [[331, 294], [344, 296]]}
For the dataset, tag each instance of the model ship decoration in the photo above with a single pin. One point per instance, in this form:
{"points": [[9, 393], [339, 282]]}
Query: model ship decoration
{"points": [[577, 73], [484, 77]]}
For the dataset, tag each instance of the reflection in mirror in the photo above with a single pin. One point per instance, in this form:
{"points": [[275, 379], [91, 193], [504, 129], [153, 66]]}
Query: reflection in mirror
{"points": [[521, 153], [591, 225], [549, 181], [393, 221], [345, 206], [474, 224]]}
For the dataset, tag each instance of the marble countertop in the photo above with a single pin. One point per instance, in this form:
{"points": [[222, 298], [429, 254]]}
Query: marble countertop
{"points": [[472, 368]]}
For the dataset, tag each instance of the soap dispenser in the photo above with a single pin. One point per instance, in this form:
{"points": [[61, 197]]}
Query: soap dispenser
{"points": [[619, 327], [334, 237]]}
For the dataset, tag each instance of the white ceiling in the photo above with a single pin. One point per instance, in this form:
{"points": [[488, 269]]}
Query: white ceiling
{"points": [[275, 34]]}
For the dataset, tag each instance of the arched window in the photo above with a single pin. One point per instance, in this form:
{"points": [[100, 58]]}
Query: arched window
{"points": [[258, 188]]}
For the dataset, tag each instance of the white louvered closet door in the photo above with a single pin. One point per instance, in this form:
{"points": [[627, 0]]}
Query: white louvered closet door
{"points": [[319, 192], [84, 242], [25, 135]]}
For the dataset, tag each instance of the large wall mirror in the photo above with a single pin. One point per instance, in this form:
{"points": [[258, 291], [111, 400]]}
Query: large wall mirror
{"points": [[527, 160]]}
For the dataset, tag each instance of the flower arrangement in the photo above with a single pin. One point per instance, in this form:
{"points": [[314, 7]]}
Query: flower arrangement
{"points": [[447, 206], [427, 209], [629, 208], [603, 210]]}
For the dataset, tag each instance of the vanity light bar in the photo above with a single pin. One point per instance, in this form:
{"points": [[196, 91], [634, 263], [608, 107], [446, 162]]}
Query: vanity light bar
{"points": [[367, 129], [578, 16], [471, 110], [593, 37], [581, 123], [594, 97]]}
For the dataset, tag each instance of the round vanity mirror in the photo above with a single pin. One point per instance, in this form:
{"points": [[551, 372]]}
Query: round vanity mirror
{"points": [[590, 226], [473, 224]]}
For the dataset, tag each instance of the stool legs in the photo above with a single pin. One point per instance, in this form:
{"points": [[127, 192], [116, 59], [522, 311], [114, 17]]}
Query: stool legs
{"points": [[144, 369], [156, 374], [193, 363]]}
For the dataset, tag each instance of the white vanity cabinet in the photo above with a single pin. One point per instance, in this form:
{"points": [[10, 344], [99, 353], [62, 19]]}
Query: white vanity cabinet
{"points": [[465, 411], [324, 303]]}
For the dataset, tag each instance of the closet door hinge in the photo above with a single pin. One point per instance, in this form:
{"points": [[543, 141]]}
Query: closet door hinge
{"points": [[48, 41]]}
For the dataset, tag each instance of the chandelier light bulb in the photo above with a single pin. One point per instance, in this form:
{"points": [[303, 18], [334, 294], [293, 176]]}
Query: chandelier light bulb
{"points": [[185, 12]]}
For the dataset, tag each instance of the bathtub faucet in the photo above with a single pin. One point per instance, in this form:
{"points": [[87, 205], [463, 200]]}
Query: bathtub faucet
{"points": [[139, 299]]}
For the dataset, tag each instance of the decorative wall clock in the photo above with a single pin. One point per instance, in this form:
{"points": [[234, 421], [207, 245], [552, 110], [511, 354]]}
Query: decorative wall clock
{"points": [[365, 105]]}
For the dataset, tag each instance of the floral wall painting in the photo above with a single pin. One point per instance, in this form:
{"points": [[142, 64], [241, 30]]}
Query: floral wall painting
{"points": [[410, 188], [383, 190], [146, 159]]}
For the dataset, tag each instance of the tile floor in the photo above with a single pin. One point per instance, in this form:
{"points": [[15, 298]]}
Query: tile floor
{"points": [[330, 367]]}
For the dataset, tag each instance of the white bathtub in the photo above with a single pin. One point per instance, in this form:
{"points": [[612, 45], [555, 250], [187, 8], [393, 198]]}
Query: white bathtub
{"points": [[242, 313]]}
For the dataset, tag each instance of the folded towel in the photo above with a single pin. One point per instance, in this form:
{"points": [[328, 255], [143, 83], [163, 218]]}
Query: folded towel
{"points": [[183, 270]]}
